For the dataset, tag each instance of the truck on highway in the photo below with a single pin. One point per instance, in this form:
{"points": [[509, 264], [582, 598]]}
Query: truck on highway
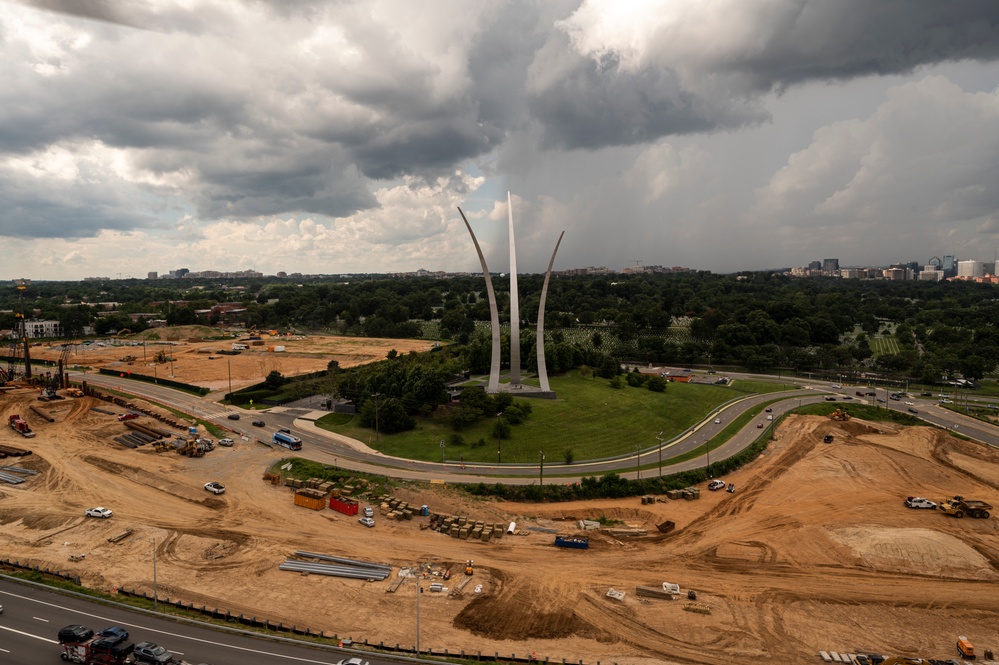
{"points": [[285, 438]]}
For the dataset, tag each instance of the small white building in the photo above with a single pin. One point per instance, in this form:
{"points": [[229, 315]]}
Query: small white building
{"points": [[35, 329]]}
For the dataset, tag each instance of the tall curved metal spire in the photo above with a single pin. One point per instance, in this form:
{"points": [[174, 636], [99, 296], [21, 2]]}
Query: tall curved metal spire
{"points": [[542, 366], [494, 369], [514, 304]]}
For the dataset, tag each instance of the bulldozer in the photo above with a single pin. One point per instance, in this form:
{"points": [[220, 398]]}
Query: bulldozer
{"points": [[839, 414], [959, 507]]}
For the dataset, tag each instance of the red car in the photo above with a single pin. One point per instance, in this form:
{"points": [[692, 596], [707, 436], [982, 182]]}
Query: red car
{"points": [[128, 416]]}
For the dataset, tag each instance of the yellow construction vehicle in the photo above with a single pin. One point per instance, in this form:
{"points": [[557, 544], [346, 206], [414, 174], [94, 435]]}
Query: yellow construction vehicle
{"points": [[839, 414], [959, 507], [74, 392], [469, 567]]}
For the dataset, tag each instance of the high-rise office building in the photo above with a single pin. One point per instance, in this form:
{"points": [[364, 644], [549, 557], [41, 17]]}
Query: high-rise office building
{"points": [[830, 265]]}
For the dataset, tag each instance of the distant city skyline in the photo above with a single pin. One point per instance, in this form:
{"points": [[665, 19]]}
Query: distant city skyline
{"points": [[340, 137]]}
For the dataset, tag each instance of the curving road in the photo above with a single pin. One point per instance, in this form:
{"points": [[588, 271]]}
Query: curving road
{"points": [[329, 448]]}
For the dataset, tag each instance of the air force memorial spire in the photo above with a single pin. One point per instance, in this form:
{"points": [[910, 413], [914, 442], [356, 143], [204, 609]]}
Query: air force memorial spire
{"points": [[494, 386]]}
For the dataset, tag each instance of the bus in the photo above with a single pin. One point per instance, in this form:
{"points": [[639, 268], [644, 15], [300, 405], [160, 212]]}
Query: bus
{"points": [[285, 438]]}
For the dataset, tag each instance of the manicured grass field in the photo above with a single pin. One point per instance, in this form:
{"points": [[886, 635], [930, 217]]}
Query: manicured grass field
{"points": [[589, 418], [882, 346]]}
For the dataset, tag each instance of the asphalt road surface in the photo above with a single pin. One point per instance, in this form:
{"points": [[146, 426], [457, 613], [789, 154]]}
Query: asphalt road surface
{"points": [[32, 617], [324, 447]]}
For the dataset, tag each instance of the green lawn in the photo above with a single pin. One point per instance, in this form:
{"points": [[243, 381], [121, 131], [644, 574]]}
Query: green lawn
{"points": [[589, 417]]}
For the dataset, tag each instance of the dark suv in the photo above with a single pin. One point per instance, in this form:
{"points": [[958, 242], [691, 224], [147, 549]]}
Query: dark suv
{"points": [[147, 652], [115, 632], [75, 634]]}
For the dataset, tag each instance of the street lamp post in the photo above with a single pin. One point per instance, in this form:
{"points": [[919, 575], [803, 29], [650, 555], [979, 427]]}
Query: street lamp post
{"points": [[707, 451], [152, 540], [541, 472], [376, 396], [228, 367], [659, 438], [419, 590], [499, 448], [638, 459], [442, 451]]}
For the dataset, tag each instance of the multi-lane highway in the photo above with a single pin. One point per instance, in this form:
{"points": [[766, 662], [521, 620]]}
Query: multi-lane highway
{"points": [[32, 617]]}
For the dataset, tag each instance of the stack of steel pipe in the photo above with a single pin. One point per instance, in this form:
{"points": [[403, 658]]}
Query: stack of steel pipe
{"points": [[17, 469], [125, 442], [360, 570], [132, 425], [13, 480], [40, 413], [341, 560], [13, 452]]}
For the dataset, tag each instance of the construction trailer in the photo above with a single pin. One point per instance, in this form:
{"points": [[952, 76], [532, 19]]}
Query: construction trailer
{"points": [[19, 425]]}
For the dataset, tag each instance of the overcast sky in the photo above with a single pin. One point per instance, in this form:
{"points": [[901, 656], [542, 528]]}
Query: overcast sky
{"points": [[335, 137]]}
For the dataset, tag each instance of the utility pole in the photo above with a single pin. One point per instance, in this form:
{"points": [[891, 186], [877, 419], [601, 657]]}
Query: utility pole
{"points": [[499, 447], [376, 396], [419, 590], [638, 459], [659, 438], [228, 366]]}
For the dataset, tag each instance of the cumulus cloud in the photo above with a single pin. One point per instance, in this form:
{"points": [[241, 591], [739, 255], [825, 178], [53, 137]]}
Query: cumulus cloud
{"points": [[349, 116]]}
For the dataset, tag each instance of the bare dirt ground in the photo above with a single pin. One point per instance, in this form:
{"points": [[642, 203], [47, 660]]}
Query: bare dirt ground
{"points": [[815, 550], [199, 363]]}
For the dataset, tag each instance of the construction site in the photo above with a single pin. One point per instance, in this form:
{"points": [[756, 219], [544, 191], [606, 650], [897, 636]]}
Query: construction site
{"points": [[814, 556]]}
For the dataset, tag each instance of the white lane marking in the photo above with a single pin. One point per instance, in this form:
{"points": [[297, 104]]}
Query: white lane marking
{"points": [[40, 619], [37, 637], [154, 630], [5, 650]]}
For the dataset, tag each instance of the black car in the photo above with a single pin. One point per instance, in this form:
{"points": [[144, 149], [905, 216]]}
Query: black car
{"points": [[75, 634], [259, 423], [233, 416], [119, 634], [830, 399], [912, 410]]}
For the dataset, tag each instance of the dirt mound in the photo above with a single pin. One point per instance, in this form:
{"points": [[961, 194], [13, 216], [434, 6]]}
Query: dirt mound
{"points": [[915, 551]]}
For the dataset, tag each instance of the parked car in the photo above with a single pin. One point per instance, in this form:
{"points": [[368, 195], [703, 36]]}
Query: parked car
{"points": [[259, 423], [731, 488], [148, 652], [716, 485], [118, 633], [369, 511], [233, 416], [74, 634], [215, 488], [98, 512], [228, 443], [367, 521], [919, 502]]}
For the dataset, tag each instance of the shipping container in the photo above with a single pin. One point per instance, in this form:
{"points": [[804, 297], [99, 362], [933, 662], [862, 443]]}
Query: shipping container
{"points": [[343, 505], [309, 500], [576, 543]]}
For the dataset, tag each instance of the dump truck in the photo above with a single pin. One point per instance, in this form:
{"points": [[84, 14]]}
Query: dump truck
{"points": [[74, 392], [959, 507], [20, 426]]}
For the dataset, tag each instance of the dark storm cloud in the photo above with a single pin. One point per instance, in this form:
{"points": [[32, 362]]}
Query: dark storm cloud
{"points": [[841, 39], [682, 82]]}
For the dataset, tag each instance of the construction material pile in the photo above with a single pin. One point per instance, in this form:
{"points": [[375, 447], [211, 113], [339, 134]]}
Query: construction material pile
{"points": [[325, 564], [464, 528]]}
